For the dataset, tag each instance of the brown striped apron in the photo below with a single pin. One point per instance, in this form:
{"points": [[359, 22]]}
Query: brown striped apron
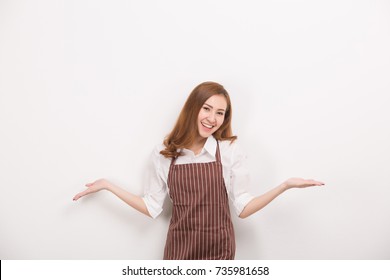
{"points": [[201, 226]]}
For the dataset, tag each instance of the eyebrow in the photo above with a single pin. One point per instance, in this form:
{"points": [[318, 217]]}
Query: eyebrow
{"points": [[213, 107]]}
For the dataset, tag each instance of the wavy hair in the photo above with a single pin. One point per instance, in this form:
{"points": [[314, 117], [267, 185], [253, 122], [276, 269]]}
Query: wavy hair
{"points": [[185, 130]]}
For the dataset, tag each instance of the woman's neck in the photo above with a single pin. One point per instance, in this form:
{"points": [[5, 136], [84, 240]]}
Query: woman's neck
{"points": [[198, 145]]}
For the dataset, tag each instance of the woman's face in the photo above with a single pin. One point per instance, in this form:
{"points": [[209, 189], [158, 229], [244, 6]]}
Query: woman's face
{"points": [[211, 115]]}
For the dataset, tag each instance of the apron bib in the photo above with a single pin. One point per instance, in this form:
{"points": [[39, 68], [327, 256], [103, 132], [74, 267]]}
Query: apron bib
{"points": [[201, 226]]}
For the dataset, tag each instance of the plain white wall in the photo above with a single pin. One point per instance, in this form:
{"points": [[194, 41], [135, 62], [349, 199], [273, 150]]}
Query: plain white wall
{"points": [[88, 88]]}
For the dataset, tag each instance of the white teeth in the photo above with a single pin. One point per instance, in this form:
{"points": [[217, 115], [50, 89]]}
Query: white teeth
{"points": [[208, 126]]}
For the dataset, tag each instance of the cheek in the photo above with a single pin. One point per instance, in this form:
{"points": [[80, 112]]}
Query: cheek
{"points": [[201, 116], [220, 121]]}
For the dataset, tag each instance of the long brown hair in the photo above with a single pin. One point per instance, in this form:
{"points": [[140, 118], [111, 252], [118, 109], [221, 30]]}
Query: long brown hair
{"points": [[185, 130]]}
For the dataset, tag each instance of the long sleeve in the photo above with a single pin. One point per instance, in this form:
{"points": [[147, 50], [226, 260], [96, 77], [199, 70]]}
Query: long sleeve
{"points": [[236, 176], [155, 190]]}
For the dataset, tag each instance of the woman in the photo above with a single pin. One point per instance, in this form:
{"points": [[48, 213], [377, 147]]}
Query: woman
{"points": [[200, 165]]}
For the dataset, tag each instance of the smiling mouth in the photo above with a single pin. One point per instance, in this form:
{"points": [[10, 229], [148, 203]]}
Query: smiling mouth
{"points": [[207, 125]]}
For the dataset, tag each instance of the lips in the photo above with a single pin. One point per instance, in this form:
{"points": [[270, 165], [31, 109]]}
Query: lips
{"points": [[207, 125]]}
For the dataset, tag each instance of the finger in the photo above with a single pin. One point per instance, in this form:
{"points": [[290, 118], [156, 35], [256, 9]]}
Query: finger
{"points": [[314, 181], [79, 195], [317, 183]]}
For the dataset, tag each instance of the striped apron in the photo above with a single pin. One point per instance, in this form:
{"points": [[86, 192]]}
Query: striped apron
{"points": [[201, 226]]}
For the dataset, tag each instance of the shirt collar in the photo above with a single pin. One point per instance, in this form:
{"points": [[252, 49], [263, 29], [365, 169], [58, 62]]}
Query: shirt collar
{"points": [[211, 145]]}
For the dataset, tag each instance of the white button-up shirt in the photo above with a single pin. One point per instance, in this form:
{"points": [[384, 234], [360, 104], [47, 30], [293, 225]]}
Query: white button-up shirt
{"points": [[234, 173]]}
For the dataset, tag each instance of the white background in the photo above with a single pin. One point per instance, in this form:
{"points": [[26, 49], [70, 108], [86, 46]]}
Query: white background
{"points": [[88, 88]]}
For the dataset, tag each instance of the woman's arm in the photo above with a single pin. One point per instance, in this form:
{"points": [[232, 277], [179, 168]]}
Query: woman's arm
{"points": [[261, 201], [133, 200]]}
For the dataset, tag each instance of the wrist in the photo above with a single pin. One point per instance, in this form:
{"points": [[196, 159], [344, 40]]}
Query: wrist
{"points": [[284, 186], [109, 187]]}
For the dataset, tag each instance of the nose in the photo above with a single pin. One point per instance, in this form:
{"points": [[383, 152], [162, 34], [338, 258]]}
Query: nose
{"points": [[212, 118]]}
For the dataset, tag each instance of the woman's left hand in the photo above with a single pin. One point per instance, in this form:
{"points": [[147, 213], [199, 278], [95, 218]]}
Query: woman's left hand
{"points": [[301, 183]]}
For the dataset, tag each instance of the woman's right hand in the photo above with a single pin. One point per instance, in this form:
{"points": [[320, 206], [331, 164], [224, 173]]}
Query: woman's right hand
{"points": [[96, 186]]}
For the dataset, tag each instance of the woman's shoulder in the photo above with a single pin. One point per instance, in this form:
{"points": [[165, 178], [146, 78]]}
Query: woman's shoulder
{"points": [[228, 147], [157, 149], [156, 156]]}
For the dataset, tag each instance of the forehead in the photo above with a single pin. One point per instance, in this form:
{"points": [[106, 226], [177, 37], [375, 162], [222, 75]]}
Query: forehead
{"points": [[217, 101]]}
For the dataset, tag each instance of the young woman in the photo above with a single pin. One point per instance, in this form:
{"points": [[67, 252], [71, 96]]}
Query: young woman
{"points": [[200, 166]]}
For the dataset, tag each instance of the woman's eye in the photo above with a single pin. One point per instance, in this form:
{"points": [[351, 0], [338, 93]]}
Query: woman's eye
{"points": [[220, 113], [206, 108]]}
